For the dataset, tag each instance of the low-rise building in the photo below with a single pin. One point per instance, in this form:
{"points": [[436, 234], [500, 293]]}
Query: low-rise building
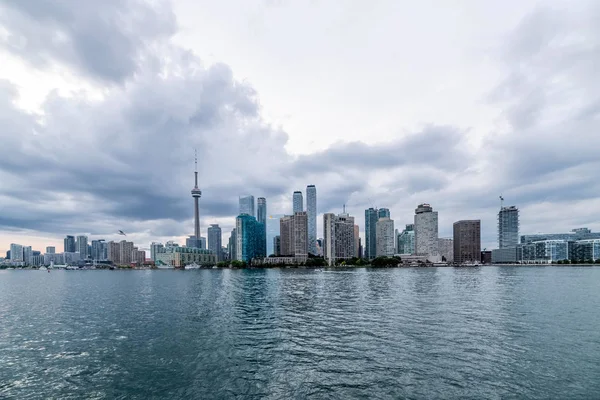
{"points": [[181, 256]]}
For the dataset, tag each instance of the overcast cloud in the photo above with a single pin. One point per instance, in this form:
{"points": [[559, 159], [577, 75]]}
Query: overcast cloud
{"points": [[130, 96]]}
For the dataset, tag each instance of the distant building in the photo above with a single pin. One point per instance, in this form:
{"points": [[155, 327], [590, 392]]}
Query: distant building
{"points": [[426, 232], [98, 253], [338, 237], [298, 202], [585, 250], [467, 241], [50, 250], [486, 257], [232, 245], [385, 236], [446, 248], [261, 217], [178, 257], [311, 211], [56, 258], [16, 253], [154, 248], [574, 235], [406, 240], [248, 238], [125, 251], [27, 254], [69, 244], [82, 246], [371, 217], [356, 241], [276, 245], [294, 234], [114, 252], [214, 241], [508, 227], [272, 231], [247, 205], [383, 213], [544, 252], [71, 258]]}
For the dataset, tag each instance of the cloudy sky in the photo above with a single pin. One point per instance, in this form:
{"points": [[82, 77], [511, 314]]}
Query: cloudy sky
{"points": [[381, 103]]}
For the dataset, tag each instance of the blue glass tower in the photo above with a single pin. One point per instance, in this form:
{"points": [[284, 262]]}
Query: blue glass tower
{"points": [[249, 235]]}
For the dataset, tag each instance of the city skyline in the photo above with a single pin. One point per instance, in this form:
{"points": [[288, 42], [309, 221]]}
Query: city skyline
{"points": [[463, 138]]}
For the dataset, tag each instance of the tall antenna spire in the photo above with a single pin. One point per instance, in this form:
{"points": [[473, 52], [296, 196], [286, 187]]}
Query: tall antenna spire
{"points": [[196, 167]]}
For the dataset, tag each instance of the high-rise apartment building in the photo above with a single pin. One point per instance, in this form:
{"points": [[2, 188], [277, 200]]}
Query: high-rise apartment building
{"points": [[69, 244], [286, 234], [467, 241], [82, 246], [385, 237], [383, 213], [50, 250], [294, 234], [114, 252], [508, 227], [356, 241], [426, 232], [311, 211], [154, 249], [276, 245], [371, 217], [215, 241], [232, 245], [248, 238], [338, 237], [298, 202], [98, 250], [27, 254], [273, 227], [247, 205], [125, 251], [261, 217], [406, 240], [446, 249]]}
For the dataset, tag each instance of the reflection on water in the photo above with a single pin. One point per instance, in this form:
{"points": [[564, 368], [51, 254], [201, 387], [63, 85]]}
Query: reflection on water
{"points": [[487, 332]]}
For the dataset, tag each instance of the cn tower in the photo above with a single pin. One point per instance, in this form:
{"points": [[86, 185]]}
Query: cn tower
{"points": [[196, 194]]}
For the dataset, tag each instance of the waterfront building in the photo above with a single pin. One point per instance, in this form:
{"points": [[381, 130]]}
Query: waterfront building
{"points": [[507, 255], [356, 241], [383, 213], [214, 241], [311, 211], [585, 250], [56, 258], [276, 245], [286, 230], [82, 246], [273, 226], [71, 258], [232, 245], [27, 254], [574, 235], [300, 234], [406, 240], [426, 232], [338, 237], [69, 244], [467, 241], [248, 238], [178, 257], [98, 250], [371, 217], [125, 250], [545, 252], [261, 217], [154, 248], [298, 202], [16, 253], [508, 227], [114, 252], [50, 249], [446, 248], [247, 205], [385, 236]]}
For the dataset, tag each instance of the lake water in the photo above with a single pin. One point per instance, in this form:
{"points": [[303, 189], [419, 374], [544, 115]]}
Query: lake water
{"points": [[490, 332]]}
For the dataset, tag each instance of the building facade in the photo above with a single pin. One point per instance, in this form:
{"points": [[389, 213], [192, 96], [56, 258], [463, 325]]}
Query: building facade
{"points": [[248, 238], [385, 237], [338, 237], [276, 245], [446, 248], [301, 234], [215, 241], [467, 241], [50, 250], [155, 248], [298, 202], [69, 244], [247, 205], [82, 246], [356, 241], [311, 211], [383, 213], [371, 217], [16, 253], [179, 257], [406, 240], [272, 231], [261, 217], [125, 252], [508, 227], [426, 232]]}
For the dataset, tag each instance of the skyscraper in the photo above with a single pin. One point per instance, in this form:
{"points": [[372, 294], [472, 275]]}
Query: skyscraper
{"points": [[276, 245], [426, 232], [125, 252], [467, 241], [311, 211], [98, 250], [27, 254], [232, 245], [82, 247], [446, 249], [383, 213], [261, 217], [370, 233], [300, 234], [247, 205], [508, 227], [339, 239], [248, 237], [196, 194], [356, 240], [385, 237], [298, 202], [114, 252], [214, 241], [273, 227], [286, 235], [155, 247], [69, 244], [50, 250], [406, 240]]}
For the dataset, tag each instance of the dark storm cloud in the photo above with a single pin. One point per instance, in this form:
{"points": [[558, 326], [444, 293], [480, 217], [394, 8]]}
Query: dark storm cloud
{"points": [[105, 40]]}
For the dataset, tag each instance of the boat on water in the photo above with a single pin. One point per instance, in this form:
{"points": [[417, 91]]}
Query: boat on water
{"points": [[165, 267], [192, 266], [42, 269]]}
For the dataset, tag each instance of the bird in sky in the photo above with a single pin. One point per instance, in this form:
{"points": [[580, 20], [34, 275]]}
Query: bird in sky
{"points": [[122, 233]]}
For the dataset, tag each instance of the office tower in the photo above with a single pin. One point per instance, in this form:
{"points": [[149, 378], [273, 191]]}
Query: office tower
{"points": [[261, 217], [286, 234], [370, 233], [426, 232], [276, 245], [298, 202], [508, 227], [82, 247], [193, 242], [214, 241], [406, 240], [356, 240], [114, 252], [338, 237], [69, 244], [467, 241], [272, 231], [311, 211], [202, 242], [248, 237], [232, 245], [247, 205], [446, 249], [196, 194], [27, 254], [155, 248], [98, 250], [50, 250], [300, 234], [125, 249], [385, 237], [383, 213]]}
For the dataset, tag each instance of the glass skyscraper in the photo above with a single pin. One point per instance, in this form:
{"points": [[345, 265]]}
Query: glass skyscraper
{"points": [[508, 227], [261, 217], [298, 202], [371, 233], [383, 213], [215, 241], [273, 225], [249, 233], [311, 210], [406, 240], [247, 205]]}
